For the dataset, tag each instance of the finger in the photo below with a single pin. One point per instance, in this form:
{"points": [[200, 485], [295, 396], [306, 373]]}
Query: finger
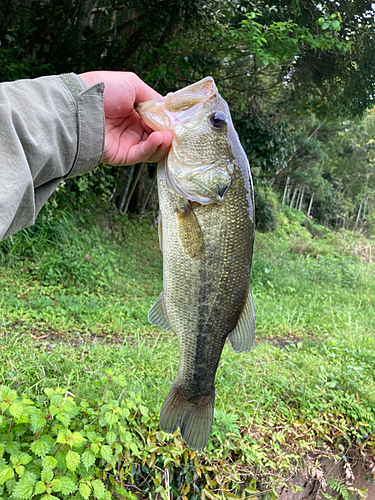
{"points": [[149, 149], [143, 92], [161, 152], [148, 129]]}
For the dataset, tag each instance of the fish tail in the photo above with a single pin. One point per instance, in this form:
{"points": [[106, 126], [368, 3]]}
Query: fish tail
{"points": [[193, 418]]}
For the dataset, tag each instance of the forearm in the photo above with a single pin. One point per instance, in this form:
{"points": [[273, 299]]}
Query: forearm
{"points": [[50, 128]]}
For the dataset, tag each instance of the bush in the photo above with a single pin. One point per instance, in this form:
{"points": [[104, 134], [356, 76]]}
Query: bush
{"points": [[54, 448], [265, 209], [290, 226]]}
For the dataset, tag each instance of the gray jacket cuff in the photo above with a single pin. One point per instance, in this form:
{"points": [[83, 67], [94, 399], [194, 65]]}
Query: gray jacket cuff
{"points": [[51, 128], [90, 123]]}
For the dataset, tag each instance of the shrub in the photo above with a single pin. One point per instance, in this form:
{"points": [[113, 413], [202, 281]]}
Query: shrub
{"points": [[265, 209], [54, 448]]}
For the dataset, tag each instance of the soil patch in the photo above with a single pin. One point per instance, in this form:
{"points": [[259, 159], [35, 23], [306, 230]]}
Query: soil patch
{"points": [[348, 475]]}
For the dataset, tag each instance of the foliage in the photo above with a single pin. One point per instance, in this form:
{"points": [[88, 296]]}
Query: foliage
{"points": [[54, 447], [42, 457], [167, 42], [115, 436], [337, 487], [76, 275], [265, 140], [351, 164], [266, 203], [283, 69], [84, 329], [59, 446], [86, 277], [282, 41]]}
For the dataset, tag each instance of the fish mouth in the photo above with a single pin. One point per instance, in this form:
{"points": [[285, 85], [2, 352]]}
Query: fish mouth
{"points": [[160, 113]]}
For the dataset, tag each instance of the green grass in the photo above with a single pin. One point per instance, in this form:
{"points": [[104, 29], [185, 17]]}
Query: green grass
{"points": [[74, 301], [310, 295], [101, 279], [66, 276], [299, 382]]}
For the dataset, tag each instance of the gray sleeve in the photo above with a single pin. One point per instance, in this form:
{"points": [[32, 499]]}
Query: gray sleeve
{"points": [[50, 128]]}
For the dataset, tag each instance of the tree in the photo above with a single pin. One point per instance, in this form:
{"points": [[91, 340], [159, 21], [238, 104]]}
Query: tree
{"points": [[317, 56], [292, 72], [351, 171]]}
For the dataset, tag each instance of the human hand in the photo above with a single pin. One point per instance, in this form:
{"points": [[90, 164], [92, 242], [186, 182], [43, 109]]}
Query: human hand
{"points": [[127, 139]]}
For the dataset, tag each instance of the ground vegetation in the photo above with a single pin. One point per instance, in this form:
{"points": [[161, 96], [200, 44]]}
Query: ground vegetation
{"points": [[83, 374]]}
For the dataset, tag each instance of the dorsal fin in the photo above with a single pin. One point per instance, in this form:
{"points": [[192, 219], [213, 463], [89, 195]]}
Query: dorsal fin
{"points": [[242, 337], [156, 315]]}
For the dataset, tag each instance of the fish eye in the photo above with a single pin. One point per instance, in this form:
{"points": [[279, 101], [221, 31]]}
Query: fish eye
{"points": [[217, 119]]}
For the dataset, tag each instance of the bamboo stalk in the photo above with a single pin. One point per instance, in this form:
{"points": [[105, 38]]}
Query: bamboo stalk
{"points": [[301, 198], [358, 215], [294, 195], [132, 188], [286, 189], [126, 188], [298, 197], [310, 205], [364, 209]]}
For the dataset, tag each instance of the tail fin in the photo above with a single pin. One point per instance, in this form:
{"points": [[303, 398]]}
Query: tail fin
{"points": [[194, 419]]}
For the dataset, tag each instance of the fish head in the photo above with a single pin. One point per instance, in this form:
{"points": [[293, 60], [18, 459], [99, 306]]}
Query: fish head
{"points": [[199, 165]]}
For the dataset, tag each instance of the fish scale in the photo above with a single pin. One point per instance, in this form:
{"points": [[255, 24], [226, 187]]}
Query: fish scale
{"points": [[203, 299], [207, 252]]}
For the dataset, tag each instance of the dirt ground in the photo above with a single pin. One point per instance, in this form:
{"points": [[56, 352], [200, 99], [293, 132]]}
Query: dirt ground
{"points": [[356, 475]]}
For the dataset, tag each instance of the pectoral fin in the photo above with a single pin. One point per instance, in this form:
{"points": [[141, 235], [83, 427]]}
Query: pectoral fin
{"points": [[242, 337], [156, 315], [189, 232]]}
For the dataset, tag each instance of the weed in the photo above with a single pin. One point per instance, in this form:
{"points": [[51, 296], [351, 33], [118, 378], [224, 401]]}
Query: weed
{"points": [[73, 308]]}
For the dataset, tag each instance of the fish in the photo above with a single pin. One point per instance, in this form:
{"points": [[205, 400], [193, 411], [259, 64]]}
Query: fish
{"points": [[206, 235]]}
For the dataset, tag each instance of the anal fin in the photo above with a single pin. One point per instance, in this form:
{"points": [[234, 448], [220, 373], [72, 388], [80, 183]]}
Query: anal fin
{"points": [[156, 315], [242, 337]]}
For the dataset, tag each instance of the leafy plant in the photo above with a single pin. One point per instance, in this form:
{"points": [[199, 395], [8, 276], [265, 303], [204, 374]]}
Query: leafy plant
{"points": [[307, 385], [336, 486]]}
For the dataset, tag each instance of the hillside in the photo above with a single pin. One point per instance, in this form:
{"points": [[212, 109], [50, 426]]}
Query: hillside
{"points": [[75, 294]]}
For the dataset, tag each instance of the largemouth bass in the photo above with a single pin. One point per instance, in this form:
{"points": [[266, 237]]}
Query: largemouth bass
{"points": [[206, 237]]}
